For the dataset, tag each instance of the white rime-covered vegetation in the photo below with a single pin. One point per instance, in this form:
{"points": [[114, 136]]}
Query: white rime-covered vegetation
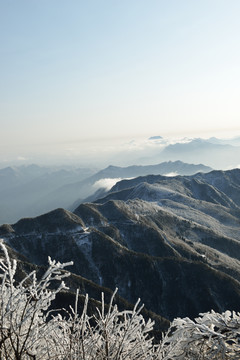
{"points": [[30, 330]]}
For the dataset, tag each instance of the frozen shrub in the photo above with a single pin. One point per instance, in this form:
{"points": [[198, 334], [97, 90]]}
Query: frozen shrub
{"points": [[25, 332], [114, 335], [210, 336], [29, 330]]}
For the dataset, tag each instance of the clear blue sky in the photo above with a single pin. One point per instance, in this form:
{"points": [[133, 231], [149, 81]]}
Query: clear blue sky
{"points": [[76, 70]]}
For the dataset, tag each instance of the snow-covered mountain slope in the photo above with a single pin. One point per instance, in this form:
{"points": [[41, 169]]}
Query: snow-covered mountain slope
{"points": [[88, 187], [174, 242], [32, 190]]}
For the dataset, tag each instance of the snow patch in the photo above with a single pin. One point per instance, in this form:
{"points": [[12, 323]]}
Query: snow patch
{"points": [[137, 216], [83, 240]]}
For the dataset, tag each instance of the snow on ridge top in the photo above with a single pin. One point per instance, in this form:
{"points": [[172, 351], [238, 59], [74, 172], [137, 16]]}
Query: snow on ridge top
{"points": [[58, 220], [152, 192], [57, 231]]}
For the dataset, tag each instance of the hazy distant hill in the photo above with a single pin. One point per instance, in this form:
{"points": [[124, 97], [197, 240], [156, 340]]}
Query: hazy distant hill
{"points": [[173, 241], [218, 155], [232, 141], [87, 187], [164, 168], [32, 190], [23, 188]]}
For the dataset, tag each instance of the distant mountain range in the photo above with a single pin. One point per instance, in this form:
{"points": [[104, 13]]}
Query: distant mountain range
{"points": [[168, 168], [217, 153], [221, 155], [173, 241], [23, 189], [32, 190]]}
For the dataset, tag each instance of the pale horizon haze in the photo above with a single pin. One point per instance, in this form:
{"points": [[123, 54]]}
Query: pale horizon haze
{"points": [[86, 72]]}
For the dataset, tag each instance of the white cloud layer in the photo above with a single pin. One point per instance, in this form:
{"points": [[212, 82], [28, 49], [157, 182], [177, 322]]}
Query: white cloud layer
{"points": [[174, 173], [106, 183]]}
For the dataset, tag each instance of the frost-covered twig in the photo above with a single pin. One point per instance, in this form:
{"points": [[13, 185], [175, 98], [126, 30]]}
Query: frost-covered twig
{"points": [[23, 310], [27, 333], [210, 336]]}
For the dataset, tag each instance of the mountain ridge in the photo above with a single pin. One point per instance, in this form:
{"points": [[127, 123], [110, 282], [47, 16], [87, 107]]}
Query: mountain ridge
{"points": [[173, 241]]}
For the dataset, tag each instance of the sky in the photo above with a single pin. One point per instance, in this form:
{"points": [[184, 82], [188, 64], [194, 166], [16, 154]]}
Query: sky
{"points": [[99, 71]]}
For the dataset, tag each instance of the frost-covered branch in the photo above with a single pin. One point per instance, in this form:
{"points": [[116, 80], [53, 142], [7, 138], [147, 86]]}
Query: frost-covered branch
{"points": [[210, 336], [27, 331], [23, 321]]}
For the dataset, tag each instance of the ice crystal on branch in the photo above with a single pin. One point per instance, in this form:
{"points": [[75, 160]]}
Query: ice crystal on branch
{"points": [[28, 332], [24, 329]]}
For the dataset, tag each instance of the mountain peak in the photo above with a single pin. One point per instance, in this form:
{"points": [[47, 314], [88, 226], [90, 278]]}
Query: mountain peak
{"points": [[55, 221]]}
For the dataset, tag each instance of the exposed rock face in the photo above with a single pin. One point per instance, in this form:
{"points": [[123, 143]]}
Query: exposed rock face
{"points": [[174, 242]]}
